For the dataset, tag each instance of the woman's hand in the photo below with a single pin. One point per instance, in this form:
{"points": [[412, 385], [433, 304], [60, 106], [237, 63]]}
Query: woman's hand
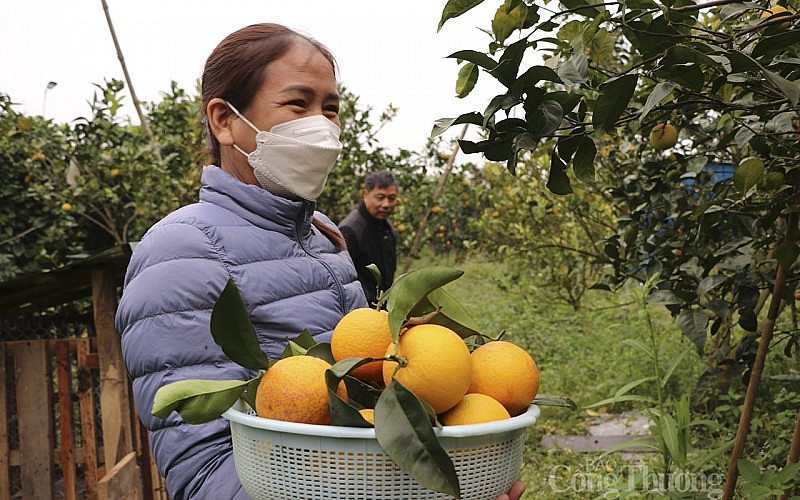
{"points": [[515, 493]]}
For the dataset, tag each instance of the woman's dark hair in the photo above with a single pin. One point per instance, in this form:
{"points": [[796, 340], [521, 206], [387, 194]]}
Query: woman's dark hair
{"points": [[235, 72], [235, 69]]}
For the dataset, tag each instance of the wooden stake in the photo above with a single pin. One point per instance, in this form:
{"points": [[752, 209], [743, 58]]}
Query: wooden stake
{"points": [[794, 452], [767, 330], [438, 192], [136, 103]]}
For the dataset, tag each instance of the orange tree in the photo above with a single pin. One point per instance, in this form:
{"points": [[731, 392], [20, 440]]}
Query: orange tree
{"points": [[115, 181], [580, 76], [99, 181], [35, 223], [548, 242]]}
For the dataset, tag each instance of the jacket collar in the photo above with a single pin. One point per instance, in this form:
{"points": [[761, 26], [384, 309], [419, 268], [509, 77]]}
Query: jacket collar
{"points": [[362, 209], [255, 204]]}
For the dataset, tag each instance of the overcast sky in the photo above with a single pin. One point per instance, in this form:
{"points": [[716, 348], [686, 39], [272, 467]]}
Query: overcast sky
{"points": [[388, 52]]}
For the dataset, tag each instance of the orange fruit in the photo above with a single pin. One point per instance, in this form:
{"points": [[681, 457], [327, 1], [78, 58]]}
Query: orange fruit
{"points": [[773, 13], [434, 364], [663, 136], [368, 414], [505, 372], [294, 390], [363, 333], [474, 409]]}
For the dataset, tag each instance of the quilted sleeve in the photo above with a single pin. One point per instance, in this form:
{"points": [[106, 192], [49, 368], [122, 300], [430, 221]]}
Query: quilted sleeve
{"points": [[173, 280]]}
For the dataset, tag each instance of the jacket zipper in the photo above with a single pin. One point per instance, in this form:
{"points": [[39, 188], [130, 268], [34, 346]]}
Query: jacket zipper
{"points": [[339, 286]]}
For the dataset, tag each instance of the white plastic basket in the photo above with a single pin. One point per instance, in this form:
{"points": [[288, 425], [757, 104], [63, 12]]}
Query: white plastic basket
{"points": [[283, 460]]}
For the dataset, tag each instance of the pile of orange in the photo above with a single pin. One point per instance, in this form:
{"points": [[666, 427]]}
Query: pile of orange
{"points": [[497, 380]]}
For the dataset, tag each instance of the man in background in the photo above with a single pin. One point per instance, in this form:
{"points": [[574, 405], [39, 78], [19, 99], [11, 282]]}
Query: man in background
{"points": [[370, 237]]}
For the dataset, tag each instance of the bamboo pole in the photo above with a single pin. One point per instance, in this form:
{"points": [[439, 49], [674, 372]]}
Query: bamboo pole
{"points": [[767, 330], [438, 192], [136, 103], [794, 452]]}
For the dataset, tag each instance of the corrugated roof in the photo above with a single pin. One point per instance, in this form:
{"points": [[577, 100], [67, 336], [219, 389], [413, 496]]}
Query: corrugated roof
{"points": [[64, 284]]}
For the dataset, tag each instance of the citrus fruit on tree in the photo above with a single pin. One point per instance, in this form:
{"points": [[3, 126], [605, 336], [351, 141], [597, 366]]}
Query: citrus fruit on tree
{"points": [[507, 373], [474, 408], [663, 136], [433, 362], [294, 390], [363, 333], [773, 13]]}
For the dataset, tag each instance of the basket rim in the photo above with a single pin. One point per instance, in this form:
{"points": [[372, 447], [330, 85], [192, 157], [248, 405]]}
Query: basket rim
{"points": [[237, 415]]}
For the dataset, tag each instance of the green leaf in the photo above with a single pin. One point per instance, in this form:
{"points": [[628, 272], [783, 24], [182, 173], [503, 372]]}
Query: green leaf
{"points": [[451, 313], [614, 97], [467, 78], [506, 22], [250, 391], [557, 180], [508, 65], [198, 401], [321, 350], [475, 57], [568, 144], [669, 433], [663, 298], [693, 324], [625, 389], [665, 378], [748, 470], [531, 77], [584, 7], [713, 454], [361, 393], [748, 173], [776, 44], [442, 124], [622, 399], [545, 118], [660, 91], [341, 412], [786, 254], [789, 474], [574, 70], [583, 163], [682, 54], [788, 88], [409, 289], [498, 102], [732, 10], [741, 62], [233, 331], [709, 283], [376, 273], [638, 344], [405, 432], [558, 401], [455, 8], [299, 345]]}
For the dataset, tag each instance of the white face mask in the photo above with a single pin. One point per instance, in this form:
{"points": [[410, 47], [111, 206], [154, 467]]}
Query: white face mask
{"points": [[295, 156]]}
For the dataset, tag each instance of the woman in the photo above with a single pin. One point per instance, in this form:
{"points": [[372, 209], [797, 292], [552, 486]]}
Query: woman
{"points": [[271, 106]]}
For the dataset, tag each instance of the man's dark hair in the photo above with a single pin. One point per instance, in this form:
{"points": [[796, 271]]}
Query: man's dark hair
{"points": [[382, 179]]}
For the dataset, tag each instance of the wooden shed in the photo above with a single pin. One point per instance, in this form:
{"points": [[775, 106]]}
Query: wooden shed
{"points": [[68, 426]]}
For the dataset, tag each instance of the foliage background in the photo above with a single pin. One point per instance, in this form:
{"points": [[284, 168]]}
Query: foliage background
{"points": [[565, 198]]}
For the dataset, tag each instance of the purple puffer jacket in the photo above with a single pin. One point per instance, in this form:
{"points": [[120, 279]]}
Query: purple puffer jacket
{"points": [[290, 276]]}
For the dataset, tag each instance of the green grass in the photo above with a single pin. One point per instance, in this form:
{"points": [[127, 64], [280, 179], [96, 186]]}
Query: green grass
{"points": [[580, 355]]}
